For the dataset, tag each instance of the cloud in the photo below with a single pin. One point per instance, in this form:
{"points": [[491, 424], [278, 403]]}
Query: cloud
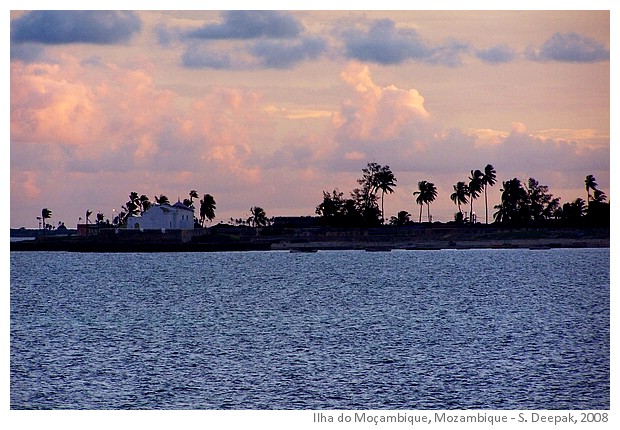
{"points": [[78, 117], [448, 54], [25, 183], [274, 54], [497, 54], [570, 47], [391, 125], [201, 56], [377, 112], [166, 35], [381, 42], [378, 117], [248, 40], [52, 27], [243, 24], [279, 54], [26, 51]]}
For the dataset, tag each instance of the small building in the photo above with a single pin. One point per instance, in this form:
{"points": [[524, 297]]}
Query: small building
{"points": [[87, 230], [162, 217]]}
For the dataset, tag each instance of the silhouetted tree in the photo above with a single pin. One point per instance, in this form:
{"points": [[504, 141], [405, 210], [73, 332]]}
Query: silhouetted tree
{"points": [[131, 209], [427, 192], [402, 218], [207, 208], [572, 213], [538, 199], [144, 203], [193, 194], [514, 207], [258, 218], [385, 181], [45, 214], [553, 209], [591, 184], [363, 205], [475, 188], [331, 208], [365, 197], [134, 198], [88, 214], [162, 200], [488, 180], [459, 196], [599, 196]]}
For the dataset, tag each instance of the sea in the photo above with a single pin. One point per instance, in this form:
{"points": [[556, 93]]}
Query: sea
{"points": [[459, 329]]}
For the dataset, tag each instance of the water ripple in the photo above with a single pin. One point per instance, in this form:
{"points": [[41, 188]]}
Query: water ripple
{"points": [[480, 329]]}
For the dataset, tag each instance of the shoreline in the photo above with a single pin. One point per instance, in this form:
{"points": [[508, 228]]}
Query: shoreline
{"points": [[311, 245]]}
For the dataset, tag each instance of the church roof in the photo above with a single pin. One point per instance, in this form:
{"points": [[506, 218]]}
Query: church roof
{"points": [[182, 206]]}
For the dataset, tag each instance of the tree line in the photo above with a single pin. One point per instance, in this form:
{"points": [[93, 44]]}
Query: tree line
{"points": [[140, 203], [520, 204]]}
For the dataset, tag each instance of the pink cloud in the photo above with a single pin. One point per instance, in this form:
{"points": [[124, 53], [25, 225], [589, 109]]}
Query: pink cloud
{"points": [[89, 122], [48, 106], [71, 117], [377, 113], [113, 114]]}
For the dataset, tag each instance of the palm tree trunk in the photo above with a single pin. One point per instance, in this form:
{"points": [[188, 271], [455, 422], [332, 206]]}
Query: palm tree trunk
{"points": [[428, 212], [421, 206], [486, 206], [382, 216]]}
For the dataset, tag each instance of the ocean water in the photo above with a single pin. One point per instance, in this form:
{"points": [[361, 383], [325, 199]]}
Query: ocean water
{"points": [[452, 329]]}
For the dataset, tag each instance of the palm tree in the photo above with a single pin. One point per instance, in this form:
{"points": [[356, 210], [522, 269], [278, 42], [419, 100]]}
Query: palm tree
{"points": [[258, 218], [459, 196], [193, 194], [599, 196], [475, 187], [580, 206], [207, 208], [162, 200], [134, 198], [514, 206], [144, 203], [590, 185], [402, 218], [131, 209], [488, 179], [431, 195], [88, 214], [384, 181], [572, 212], [502, 214], [426, 194], [45, 214]]}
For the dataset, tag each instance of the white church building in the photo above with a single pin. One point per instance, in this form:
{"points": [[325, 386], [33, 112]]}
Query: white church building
{"points": [[164, 217]]}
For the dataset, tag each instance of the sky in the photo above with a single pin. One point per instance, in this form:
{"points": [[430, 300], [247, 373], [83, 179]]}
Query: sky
{"points": [[272, 107]]}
